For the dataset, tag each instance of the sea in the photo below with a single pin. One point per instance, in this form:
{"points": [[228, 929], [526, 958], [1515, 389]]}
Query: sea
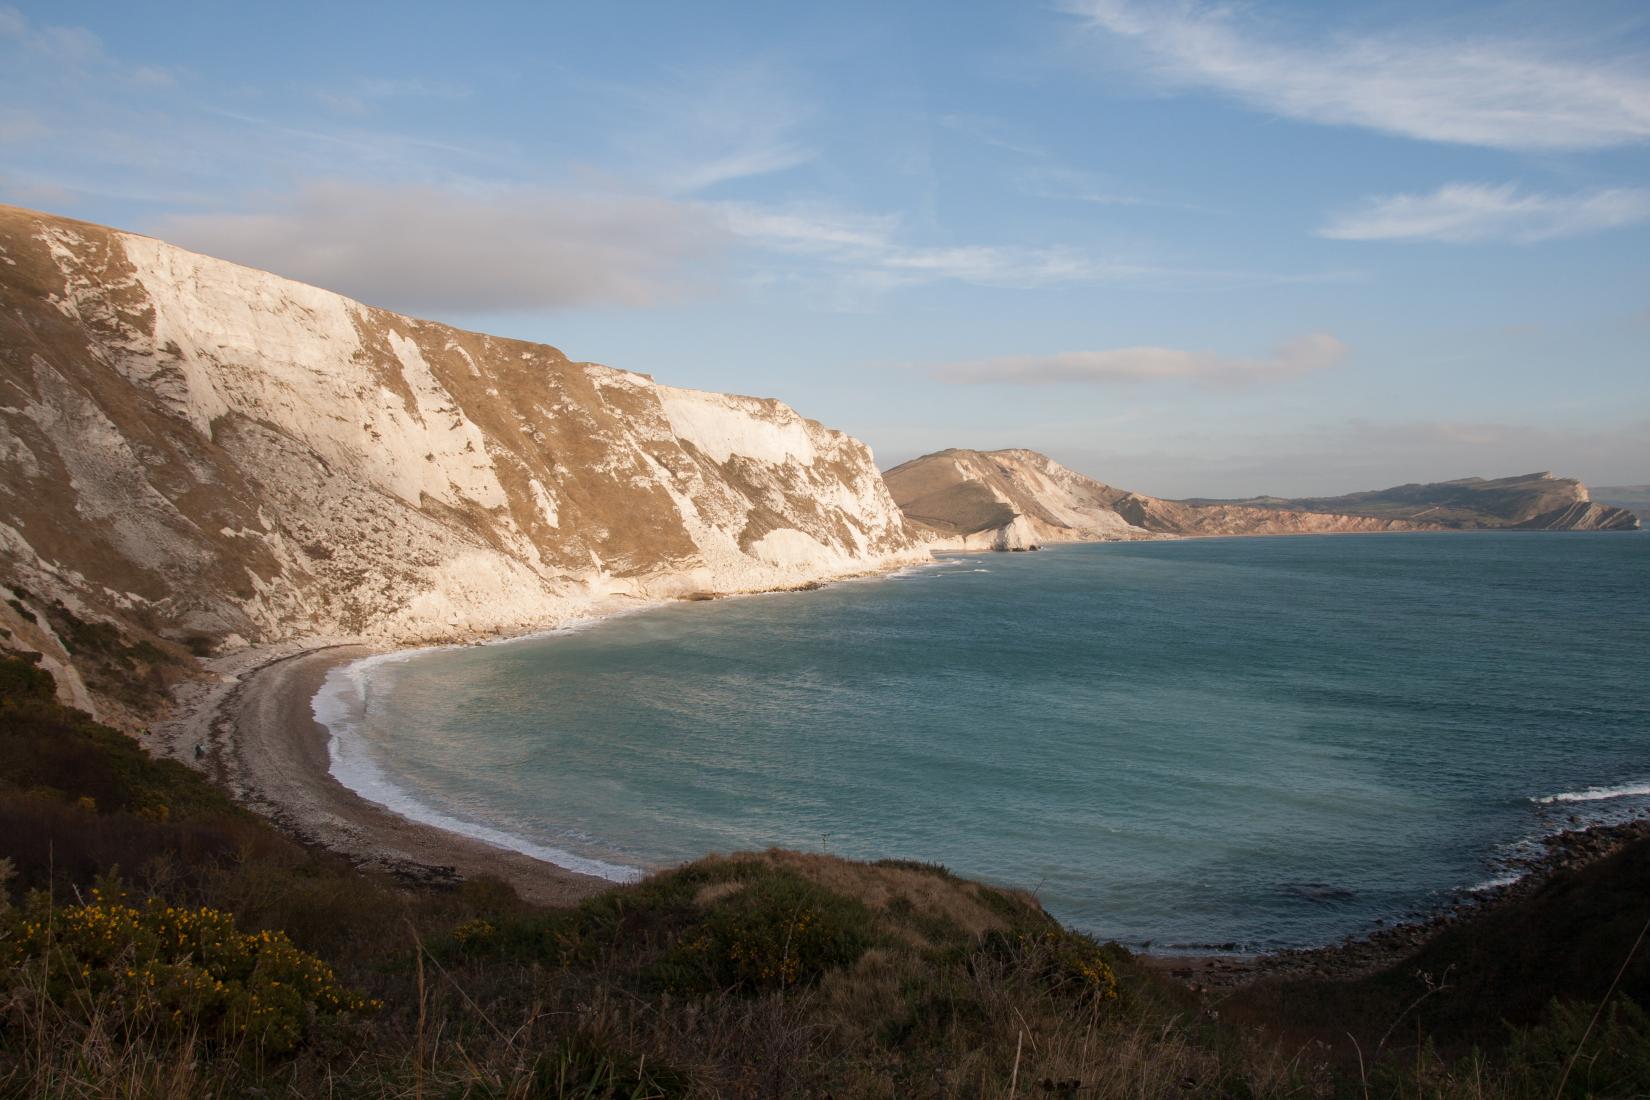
{"points": [[1202, 745]]}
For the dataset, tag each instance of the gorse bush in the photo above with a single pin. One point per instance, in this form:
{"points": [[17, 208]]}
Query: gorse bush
{"points": [[157, 967], [1068, 963], [476, 930]]}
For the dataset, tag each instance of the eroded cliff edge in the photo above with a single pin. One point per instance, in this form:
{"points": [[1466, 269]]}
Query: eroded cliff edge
{"points": [[218, 456]]}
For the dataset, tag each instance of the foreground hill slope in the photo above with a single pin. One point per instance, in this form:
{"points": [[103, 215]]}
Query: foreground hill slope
{"points": [[222, 455], [1015, 499]]}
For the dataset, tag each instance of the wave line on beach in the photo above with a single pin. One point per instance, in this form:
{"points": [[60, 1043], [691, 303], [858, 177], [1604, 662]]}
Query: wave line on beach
{"points": [[341, 707]]}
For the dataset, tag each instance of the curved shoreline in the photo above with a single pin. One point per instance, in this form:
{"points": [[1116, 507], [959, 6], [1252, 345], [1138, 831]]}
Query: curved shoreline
{"points": [[278, 761], [267, 746], [249, 722], [339, 707], [275, 757]]}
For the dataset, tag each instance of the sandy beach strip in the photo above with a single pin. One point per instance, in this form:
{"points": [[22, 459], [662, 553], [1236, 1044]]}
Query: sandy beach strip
{"points": [[262, 739]]}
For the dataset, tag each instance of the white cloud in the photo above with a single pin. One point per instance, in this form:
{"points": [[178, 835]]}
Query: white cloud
{"points": [[1471, 212], [1312, 352], [1502, 93], [422, 249]]}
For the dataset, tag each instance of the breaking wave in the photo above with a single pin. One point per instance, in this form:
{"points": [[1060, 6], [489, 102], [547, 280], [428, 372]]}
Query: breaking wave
{"points": [[1597, 794]]}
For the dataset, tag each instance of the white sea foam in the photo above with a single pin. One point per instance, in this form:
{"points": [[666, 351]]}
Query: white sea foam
{"points": [[1497, 882], [1598, 794], [342, 706], [934, 568]]}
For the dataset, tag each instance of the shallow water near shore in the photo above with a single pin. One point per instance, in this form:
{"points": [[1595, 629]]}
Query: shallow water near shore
{"points": [[1229, 743]]}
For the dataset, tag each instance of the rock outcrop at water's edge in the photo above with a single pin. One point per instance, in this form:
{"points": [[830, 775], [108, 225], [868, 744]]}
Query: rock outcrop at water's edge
{"points": [[213, 454], [1012, 499]]}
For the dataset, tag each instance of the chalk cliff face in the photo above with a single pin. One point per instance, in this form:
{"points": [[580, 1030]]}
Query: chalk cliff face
{"points": [[1005, 500], [212, 451], [1012, 499]]}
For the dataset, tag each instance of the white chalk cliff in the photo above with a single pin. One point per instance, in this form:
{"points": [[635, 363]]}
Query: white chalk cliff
{"points": [[214, 452]]}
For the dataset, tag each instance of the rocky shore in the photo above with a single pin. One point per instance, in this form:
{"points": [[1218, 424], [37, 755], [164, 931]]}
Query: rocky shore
{"points": [[1358, 955]]}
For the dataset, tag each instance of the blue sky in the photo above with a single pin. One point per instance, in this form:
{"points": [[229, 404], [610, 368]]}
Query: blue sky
{"points": [[1190, 249]]}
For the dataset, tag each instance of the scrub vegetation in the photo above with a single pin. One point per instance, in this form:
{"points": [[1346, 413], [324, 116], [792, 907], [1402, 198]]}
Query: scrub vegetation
{"points": [[156, 940]]}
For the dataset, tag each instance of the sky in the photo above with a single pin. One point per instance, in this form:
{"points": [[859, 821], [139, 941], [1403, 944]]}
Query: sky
{"points": [[1191, 249]]}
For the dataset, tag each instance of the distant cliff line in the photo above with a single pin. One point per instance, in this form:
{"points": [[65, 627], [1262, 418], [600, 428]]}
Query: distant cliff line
{"points": [[1018, 499]]}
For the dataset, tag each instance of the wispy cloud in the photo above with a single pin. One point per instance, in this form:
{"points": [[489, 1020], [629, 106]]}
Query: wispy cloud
{"points": [[991, 265], [370, 147], [694, 131], [1041, 174], [425, 250], [1054, 181], [364, 95], [812, 229], [1313, 352], [871, 249], [75, 49], [1502, 93], [872, 254], [1473, 212]]}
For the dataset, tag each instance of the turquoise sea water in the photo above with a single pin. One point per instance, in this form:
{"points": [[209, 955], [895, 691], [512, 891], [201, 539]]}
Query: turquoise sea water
{"points": [[1244, 742]]}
